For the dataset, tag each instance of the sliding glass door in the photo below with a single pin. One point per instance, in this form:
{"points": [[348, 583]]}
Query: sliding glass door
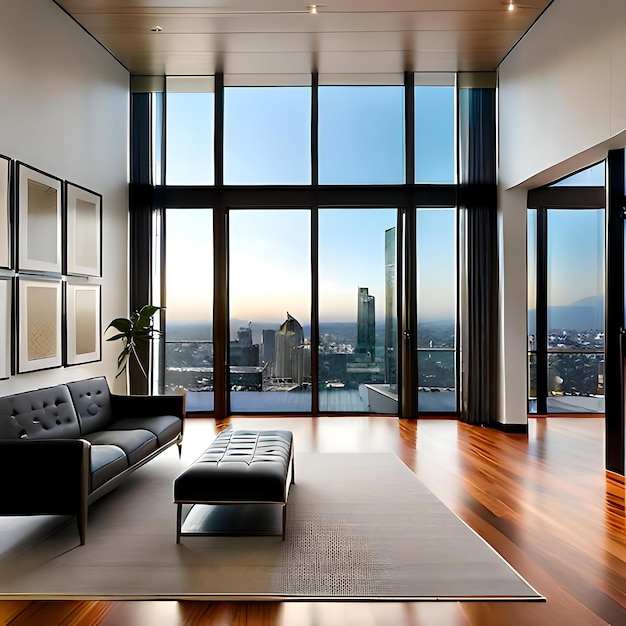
{"points": [[189, 306], [357, 311], [270, 310], [566, 294]]}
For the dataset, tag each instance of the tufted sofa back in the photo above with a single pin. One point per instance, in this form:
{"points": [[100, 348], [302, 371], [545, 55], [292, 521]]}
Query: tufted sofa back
{"points": [[42, 414], [92, 400]]}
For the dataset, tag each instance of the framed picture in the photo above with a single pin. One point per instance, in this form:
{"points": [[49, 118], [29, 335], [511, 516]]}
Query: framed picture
{"points": [[39, 211], [83, 231], [83, 324], [6, 292], [5, 212], [39, 308]]}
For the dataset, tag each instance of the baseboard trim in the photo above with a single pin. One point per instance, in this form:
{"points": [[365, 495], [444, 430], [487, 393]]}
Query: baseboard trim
{"points": [[512, 429]]}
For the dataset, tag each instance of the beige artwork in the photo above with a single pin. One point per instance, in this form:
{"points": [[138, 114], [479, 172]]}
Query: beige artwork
{"points": [[86, 311], [42, 222], [41, 320], [86, 233]]}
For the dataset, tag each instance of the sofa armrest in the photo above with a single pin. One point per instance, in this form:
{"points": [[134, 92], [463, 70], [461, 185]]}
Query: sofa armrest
{"points": [[44, 476], [147, 406]]}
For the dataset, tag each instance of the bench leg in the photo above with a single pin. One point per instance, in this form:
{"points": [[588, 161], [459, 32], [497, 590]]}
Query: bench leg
{"points": [[179, 513], [284, 520]]}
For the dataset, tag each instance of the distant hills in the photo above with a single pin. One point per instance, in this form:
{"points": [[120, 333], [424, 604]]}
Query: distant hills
{"points": [[583, 314]]}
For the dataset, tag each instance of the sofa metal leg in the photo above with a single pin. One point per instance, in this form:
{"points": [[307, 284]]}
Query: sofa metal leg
{"points": [[81, 519]]}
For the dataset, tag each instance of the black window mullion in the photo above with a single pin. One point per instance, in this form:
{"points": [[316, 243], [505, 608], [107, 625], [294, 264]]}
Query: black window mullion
{"points": [[315, 327], [614, 336], [220, 265], [541, 311]]}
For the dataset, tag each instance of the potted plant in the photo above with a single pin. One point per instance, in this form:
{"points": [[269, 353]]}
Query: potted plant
{"points": [[133, 331]]}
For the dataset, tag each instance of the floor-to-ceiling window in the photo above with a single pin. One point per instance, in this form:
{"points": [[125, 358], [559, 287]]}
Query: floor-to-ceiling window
{"points": [[566, 251], [357, 309], [436, 309], [188, 335], [270, 310], [301, 259]]}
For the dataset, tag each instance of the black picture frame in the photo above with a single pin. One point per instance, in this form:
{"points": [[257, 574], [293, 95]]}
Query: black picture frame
{"points": [[83, 231], [6, 209], [39, 218], [39, 323], [83, 323]]}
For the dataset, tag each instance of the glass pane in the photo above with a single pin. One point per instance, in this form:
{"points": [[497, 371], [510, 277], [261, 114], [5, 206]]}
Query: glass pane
{"points": [[189, 135], [576, 383], [575, 306], [437, 381], [361, 135], [591, 177], [189, 305], [436, 307], [357, 310], [267, 136], [157, 100], [434, 134], [270, 310]]}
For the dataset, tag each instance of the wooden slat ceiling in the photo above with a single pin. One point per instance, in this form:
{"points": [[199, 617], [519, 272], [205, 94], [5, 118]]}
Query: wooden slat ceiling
{"points": [[281, 36]]}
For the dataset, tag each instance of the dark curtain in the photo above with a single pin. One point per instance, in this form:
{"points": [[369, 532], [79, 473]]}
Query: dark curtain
{"points": [[478, 204], [140, 225]]}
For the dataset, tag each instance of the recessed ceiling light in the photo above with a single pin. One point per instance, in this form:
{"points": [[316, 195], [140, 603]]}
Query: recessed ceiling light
{"points": [[511, 5], [156, 29], [312, 9]]}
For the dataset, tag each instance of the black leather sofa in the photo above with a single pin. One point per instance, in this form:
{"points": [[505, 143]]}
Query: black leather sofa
{"points": [[63, 447]]}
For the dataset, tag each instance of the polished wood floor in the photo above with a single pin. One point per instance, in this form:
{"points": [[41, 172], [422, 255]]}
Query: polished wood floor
{"points": [[543, 501]]}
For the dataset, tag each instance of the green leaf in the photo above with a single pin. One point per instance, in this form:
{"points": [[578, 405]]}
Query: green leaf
{"points": [[122, 324], [138, 328]]}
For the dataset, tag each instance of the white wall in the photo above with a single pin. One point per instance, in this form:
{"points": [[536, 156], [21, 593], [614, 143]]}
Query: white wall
{"points": [[64, 109], [562, 93], [562, 106]]}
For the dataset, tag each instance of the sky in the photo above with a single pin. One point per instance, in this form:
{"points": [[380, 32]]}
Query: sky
{"points": [[267, 141]]}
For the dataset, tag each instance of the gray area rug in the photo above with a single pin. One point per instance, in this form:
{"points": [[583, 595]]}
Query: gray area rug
{"points": [[359, 527]]}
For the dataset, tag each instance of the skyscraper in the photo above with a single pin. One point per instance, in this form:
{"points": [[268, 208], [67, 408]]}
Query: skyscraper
{"points": [[269, 345], [366, 322], [391, 319], [288, 337]]}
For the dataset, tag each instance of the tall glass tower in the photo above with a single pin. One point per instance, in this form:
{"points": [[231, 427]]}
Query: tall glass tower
{"points": [[288, 338], [391, 303], [366, 323]]}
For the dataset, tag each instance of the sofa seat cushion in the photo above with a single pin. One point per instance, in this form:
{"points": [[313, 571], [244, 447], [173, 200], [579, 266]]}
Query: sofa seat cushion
{"points": [[106, 463], [137, 444], [165, 427]]}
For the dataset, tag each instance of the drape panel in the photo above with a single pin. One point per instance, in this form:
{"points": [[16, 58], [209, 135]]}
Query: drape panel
{"points": [[479, 265], [140, 224]]}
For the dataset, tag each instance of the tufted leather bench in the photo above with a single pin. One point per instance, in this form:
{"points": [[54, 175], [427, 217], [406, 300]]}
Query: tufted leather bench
{"points": [[239, 467]]}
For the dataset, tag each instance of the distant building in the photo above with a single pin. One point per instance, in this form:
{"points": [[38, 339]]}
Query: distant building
{"points": [[366, 323], [289, 337], [243, 353], [268, 346], [391, 303], [244, 336]]}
